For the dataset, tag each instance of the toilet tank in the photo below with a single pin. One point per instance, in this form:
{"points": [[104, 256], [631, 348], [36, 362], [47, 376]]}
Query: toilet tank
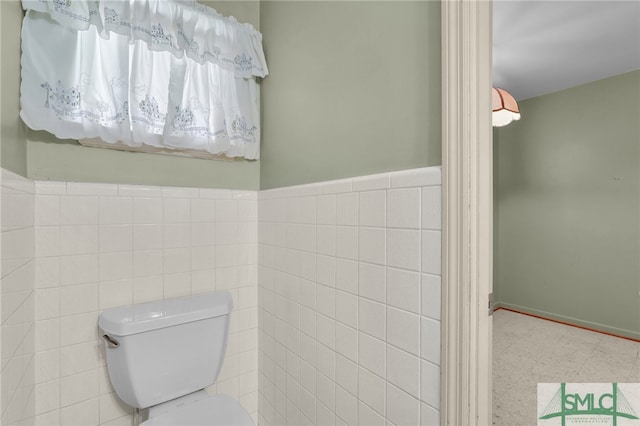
{"points": [[162, 350]]}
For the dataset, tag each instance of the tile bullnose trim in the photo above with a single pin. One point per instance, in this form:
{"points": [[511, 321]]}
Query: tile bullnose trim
{"points": [[338, 186], [48, 187], [372, 182], [126, 190], [424, 176], [17, 182], [238, 194], [96, 189], [429, 176], [215, 194], [180, 192]]}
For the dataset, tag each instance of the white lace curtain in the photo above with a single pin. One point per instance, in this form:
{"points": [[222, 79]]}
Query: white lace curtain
{"points": [[165, 73]]}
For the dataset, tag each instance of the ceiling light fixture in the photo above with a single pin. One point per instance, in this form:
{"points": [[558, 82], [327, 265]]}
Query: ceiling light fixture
{"points": [[505, 108]]}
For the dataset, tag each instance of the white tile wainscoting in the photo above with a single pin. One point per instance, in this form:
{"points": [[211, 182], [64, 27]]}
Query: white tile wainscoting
{"points": [[339, 323], [17, 294], [98, 246], [349, 301]]}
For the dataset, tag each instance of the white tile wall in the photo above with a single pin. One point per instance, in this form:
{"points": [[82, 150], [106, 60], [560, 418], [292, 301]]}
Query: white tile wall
{"points": [[17, 297], [349, 301], [349, 304], [98, 246]]}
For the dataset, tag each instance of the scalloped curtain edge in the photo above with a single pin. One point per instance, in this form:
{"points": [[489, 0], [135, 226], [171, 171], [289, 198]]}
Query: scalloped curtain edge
{"points": [[225, 42]]}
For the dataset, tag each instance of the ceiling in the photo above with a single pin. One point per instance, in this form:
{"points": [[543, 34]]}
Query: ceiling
{"points": [[541, 46]]}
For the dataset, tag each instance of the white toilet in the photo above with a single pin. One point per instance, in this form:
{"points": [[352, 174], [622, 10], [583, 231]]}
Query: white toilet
{"points": [[161, 355]]}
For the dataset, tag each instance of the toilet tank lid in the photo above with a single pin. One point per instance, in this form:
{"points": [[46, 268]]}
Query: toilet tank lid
{"points": [[133, 319]]}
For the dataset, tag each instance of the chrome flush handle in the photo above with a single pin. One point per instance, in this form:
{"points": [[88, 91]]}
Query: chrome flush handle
{"points": [[111, 342]]}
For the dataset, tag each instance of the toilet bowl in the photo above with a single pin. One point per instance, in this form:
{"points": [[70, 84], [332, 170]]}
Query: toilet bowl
{"points": [[199, 409], [162, 355]]}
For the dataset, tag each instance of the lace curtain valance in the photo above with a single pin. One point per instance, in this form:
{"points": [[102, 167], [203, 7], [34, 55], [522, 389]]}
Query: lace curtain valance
{"points": [[164, 73]]}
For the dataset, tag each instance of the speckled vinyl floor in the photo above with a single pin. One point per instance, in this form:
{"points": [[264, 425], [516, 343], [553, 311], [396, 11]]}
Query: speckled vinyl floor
{"points": [[528, 351]]}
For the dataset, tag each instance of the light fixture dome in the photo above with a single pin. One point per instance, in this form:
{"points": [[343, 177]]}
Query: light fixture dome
{"points": [[505, 108]]}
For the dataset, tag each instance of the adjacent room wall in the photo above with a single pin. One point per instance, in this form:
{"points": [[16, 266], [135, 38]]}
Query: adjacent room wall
{"points": [[568, 206], [354, 89], [44, 157], [349, 301]]}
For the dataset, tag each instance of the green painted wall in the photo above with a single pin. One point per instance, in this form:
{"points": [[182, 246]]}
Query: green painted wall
{"points": [[496, 211], [354, 89], [568, 204], [13, 150], [48, 158], [52, 159]]}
